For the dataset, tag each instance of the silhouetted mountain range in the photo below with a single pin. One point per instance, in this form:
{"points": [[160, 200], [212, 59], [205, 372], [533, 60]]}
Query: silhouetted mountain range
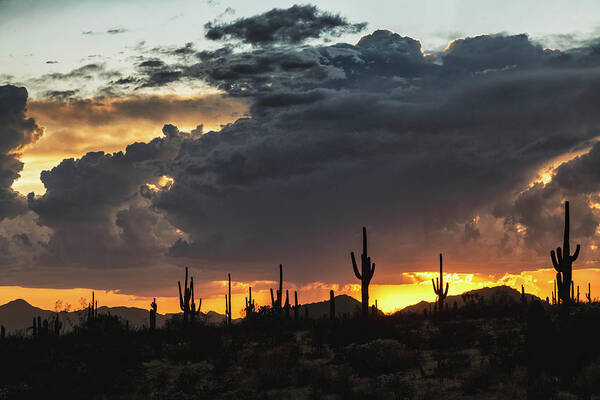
{"points": [[490, 295], [17, 315]]}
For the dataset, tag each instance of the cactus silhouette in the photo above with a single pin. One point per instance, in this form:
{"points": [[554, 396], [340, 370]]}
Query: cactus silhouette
{"points": [[93, 309], [56, 325], [2, 332], [366, 273], [228, 303], [562, 261], [186, 300], [331, 305], [523, 298], [438, 288], [296, 307], [276, 303], [249, 303], [286, 305], [153, 309], [588, 295]]}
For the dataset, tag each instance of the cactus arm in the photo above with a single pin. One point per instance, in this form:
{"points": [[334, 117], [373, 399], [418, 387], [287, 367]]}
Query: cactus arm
{"points": [[559, 255], [433, 283], [272, 298], [372, 272], [355, 266], [180, 297], [576, 254], [446, 292], [554, 262]]}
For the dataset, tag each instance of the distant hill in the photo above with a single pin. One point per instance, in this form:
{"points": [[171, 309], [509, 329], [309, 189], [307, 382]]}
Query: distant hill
{"points": [[490, 295], [344, 305], [17, 316]]}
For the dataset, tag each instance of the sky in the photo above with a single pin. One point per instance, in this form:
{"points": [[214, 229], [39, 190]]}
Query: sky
{"points": [[140, 137]]}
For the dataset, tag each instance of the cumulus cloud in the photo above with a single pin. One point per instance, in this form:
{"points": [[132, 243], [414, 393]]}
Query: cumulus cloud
{"points": [[16, 132], [283, 26], [431, 153]]}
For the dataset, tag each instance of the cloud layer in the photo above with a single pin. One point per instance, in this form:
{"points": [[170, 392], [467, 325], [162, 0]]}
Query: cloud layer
{"points": [[433, 152]]}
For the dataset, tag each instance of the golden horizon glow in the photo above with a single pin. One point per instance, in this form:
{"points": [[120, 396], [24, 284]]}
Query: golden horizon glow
{"points": [[390, 297]]}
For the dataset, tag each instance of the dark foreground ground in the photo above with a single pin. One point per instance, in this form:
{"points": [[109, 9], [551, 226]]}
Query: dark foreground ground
{"points": [[477, 352]]}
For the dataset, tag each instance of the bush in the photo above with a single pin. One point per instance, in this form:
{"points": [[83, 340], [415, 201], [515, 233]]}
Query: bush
{"points": [[380, 356]]}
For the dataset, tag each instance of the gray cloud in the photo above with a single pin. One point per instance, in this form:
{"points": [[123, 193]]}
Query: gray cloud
{"points": [[292, 25], [413, 146], [16, 132]]}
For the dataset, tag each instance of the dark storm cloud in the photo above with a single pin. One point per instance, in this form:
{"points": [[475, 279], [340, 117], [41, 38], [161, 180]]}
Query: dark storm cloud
{"points": [[94, 208], [377, 134], [16, 132], [292, 25], [539, 208]]}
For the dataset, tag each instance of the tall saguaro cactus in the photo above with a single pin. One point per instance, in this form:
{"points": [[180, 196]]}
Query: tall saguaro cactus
{"points": [[277, 303], [562, 261], [438, 287], [296, 307], [331, 305], [366, 273], [153, 309], [228, 303], [588, 295], [249, 303], [186, 300], [93, 309]]}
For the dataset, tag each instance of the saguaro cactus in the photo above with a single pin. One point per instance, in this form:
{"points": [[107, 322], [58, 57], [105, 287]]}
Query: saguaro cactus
{"points": [[286, 305], [438, 287], [366, 274], [153, 309], [93, 309], [562, 261], [56, 325], [588, 295], [249, 303], [331, 305], [186, 299], [277, 303], [228, 303], [523, 298], [296, 307]]}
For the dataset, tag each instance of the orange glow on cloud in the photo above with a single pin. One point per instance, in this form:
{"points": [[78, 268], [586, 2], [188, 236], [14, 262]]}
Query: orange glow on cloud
{"points": [[390, 298], [74, 128]]}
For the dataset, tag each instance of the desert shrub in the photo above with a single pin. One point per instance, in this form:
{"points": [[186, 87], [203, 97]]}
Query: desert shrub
{"points": [[380, 356]]}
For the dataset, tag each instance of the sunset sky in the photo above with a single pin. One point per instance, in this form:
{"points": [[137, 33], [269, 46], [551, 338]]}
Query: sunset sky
{"points": [[140, 137]]}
